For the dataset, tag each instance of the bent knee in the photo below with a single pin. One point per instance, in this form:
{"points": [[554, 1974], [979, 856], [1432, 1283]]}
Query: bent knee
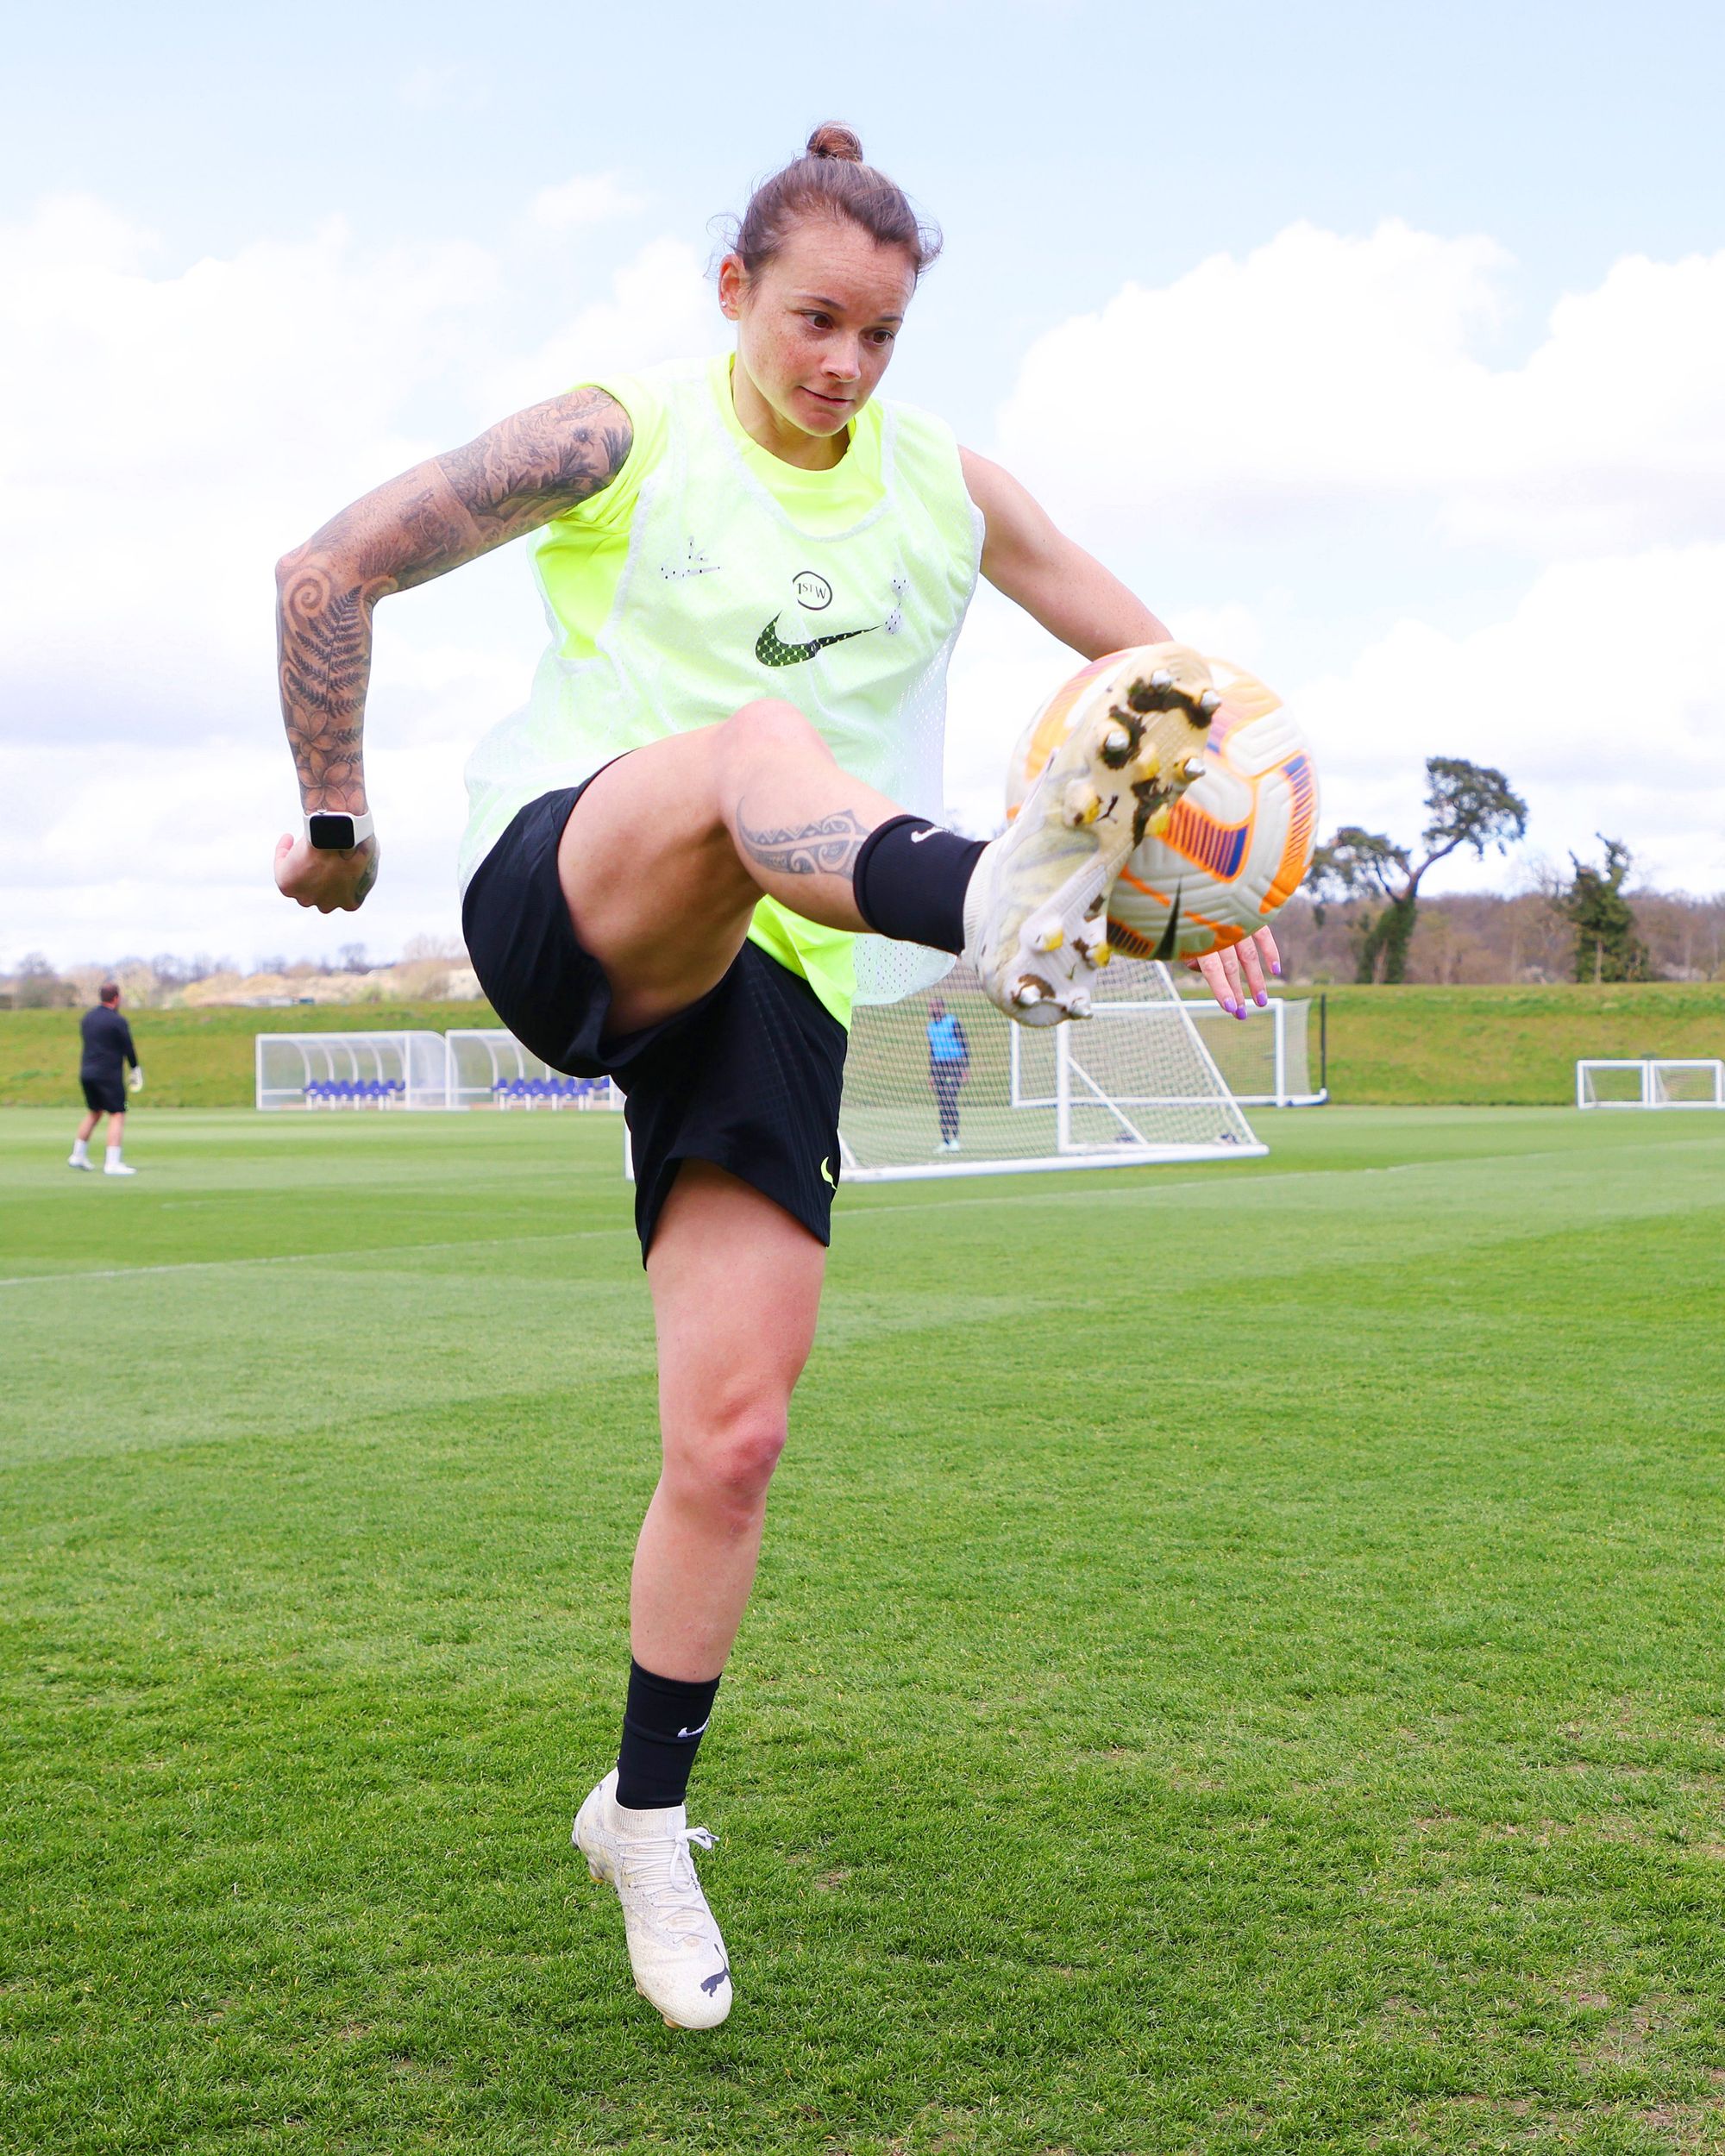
{"points": [[766, 724], [728, 1468]]}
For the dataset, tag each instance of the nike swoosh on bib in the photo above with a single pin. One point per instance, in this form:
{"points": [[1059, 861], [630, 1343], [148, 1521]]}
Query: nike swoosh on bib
{"points": [[772, 650]]}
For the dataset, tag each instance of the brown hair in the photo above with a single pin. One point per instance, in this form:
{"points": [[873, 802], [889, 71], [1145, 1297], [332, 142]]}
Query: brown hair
{"points": [[830, 179], [109, 992]]}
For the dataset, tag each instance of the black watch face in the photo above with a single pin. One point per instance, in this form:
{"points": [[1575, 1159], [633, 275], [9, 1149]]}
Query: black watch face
{"points": [[330, 833]]}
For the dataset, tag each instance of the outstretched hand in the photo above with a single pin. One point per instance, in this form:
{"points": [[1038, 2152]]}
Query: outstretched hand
{"points": [[333, 882], [1235, 977]]}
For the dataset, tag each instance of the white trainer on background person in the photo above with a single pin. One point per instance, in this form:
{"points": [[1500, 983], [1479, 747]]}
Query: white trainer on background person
{"points": [[108, 1050]]}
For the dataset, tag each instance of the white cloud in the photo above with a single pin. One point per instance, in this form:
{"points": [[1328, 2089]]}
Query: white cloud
{"points": [[164, 436], [1601, 696], [1262, 402], [1323, 376], [659, 306], [590, 198], [165, 431]]}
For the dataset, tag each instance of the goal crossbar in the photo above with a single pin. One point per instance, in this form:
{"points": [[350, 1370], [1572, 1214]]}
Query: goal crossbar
{"points": [[942, 1085]]}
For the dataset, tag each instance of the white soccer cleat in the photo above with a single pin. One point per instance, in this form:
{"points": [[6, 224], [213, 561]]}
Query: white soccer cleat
{"points": [[117, 1168], [88, 1166], [1036, 912], [675, 1948]]}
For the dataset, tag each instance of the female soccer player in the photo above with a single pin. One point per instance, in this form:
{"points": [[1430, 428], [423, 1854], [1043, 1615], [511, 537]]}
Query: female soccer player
{"points": [[756, 571]]}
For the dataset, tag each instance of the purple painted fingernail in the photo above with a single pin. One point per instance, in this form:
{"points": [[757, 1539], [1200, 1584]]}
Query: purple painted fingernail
{"points": [[1276, 968], [1240, 1010], [1260, 998]]}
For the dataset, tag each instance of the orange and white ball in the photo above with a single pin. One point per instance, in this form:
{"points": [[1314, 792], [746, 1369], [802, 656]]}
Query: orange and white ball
{"points": [[1237, 843]]}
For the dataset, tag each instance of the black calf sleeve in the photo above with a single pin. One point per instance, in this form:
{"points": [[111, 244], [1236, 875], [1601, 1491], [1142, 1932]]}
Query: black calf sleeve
{"points": [[662, 1721], [910, 881]]}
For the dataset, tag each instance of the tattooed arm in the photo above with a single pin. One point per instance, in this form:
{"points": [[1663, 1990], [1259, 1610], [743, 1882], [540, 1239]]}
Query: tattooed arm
{"points": [[444, 513]]}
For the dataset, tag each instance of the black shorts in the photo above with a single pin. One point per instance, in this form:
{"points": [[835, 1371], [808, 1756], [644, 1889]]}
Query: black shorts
{"points": [[104, 1096], [748, 1078]]}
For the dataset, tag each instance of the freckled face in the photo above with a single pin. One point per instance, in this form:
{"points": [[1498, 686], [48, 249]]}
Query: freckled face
{"points": [[815, 330]]}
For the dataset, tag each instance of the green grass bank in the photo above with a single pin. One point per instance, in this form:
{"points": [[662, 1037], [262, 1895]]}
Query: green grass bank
{"points": [[193, 1059], [1474, 1047], [1506, 1046]]}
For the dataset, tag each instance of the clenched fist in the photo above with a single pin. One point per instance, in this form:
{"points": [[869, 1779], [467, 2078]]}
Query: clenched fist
{"points": [[333, 882]]}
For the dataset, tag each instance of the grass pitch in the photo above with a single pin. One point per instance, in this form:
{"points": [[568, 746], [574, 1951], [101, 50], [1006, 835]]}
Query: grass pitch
{"points": [[1236, 1665]]}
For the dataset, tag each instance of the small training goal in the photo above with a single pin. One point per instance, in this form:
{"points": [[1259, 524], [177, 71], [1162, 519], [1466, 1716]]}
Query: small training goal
{"points": [[352, 1070], [942, 1084], [1650, 1081]]}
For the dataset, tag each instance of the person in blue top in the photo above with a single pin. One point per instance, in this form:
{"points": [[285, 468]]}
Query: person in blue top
{"points": [[949, 1066]]}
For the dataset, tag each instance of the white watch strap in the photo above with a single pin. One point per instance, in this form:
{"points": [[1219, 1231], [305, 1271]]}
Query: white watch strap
{"points": [[363, 825]]}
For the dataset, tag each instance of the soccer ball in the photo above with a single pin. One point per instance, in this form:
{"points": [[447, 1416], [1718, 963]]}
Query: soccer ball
{"points": [[1237, 843]]}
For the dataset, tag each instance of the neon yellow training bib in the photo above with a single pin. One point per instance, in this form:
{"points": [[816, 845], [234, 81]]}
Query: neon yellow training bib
{"points": [[708, 574]]}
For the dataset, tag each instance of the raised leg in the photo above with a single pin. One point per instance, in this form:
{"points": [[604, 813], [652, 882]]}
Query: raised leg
{"points": [[670, 850]]}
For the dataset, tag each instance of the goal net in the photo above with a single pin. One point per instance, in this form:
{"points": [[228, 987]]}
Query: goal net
{"points": [[490, 1069], [1267, 1062], [351, 1070], [942, 1084], [1650, 1081]]}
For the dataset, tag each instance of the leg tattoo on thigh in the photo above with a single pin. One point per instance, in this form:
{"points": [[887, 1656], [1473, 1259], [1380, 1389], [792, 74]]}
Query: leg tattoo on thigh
{"points": [[828, 847]]}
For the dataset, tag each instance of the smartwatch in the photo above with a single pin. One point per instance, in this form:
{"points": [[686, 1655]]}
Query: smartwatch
{"points": [[336, 832]]}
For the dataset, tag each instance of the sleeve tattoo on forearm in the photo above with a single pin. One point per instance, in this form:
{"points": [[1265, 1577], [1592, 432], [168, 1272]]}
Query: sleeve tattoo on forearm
{"points": [[448, 510], [828, 847]]}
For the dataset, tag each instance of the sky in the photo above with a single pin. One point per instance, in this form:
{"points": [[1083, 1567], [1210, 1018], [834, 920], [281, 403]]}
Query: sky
{"points": [[1381, 350]]}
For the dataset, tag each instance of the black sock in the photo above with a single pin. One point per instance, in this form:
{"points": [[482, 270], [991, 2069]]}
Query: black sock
{"points": [[910, 881], [662, 1721]]}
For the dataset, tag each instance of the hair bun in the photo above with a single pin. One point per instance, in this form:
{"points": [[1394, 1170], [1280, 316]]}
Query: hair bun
{"points": [[836, 142]]}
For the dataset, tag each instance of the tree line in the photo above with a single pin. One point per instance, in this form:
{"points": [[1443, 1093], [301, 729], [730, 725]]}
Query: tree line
{"points": [[1473, 807]]}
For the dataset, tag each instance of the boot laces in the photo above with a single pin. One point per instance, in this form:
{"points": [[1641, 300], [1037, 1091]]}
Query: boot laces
{"points": [[662, 1873]]}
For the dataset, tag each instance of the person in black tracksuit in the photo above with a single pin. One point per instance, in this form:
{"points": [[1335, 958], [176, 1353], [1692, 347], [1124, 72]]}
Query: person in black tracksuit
{"points": [[107, 1050]]}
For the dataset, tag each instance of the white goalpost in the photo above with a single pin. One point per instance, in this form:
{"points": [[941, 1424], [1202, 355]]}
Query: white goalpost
{"points": [[1650, 1081], [1267, 1062], [1132, 1086], [939, 1084], [351, 1070]]}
